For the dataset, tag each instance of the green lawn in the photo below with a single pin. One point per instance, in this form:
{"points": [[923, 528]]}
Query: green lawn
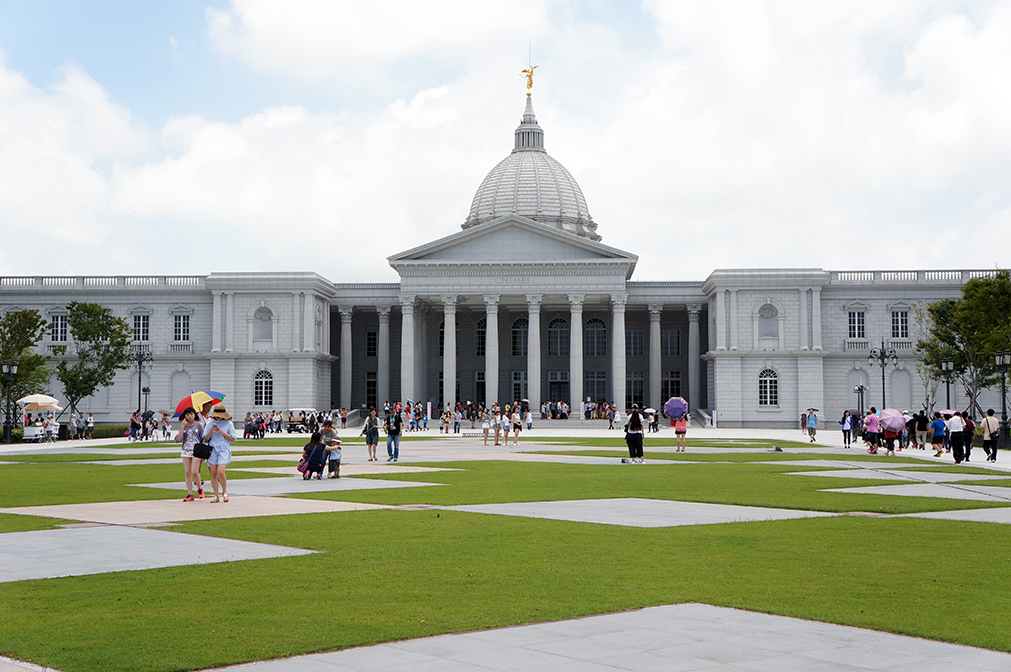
{"points": [[392, 574]]}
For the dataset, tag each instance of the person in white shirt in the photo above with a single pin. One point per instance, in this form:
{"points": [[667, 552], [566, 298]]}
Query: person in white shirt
{"points": [[955, 427], [991, 435]]}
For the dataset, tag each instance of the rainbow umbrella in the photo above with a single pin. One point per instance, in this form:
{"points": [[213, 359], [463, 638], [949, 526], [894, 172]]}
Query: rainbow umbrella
{"points": [[197, 400]]}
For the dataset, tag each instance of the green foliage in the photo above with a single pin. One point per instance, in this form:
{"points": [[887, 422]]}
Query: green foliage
{"points": [[20, 332], [102, 345], [970, 330], [109, 431]]}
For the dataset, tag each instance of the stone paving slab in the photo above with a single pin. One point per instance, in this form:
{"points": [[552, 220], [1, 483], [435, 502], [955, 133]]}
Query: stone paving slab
{"points": [[147, 512], [178, 460], [975, 492], [909, 476], [675, 638], [367, 469], [46, 554], [295, 484], [635, 512], [995, 515], [846, 464]]}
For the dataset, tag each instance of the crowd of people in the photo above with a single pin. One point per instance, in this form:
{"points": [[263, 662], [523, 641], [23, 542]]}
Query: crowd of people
{"points": [[952, 432]]}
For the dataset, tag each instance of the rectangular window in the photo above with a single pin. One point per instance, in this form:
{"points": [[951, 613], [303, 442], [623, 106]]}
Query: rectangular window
{"points": [[633, 342], [856, 324], [595, 385], [263, 392], [371, 346], [141, 328], [519, 385], [670, 385], [58, 331], [370, 390], [768, 389], [900, 324], [480, 334], [181, 328], [634, 390], [670, 343], [480, 396]]}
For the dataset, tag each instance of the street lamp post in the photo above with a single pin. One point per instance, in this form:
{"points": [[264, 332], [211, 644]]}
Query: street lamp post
{"points": [[146, 391], [10, 369], [1003, 361], [883, 357], [860, 389], [947, 367], [141, 355]]}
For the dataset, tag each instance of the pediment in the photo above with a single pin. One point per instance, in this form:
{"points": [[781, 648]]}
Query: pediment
{"points": [[511, 239]]}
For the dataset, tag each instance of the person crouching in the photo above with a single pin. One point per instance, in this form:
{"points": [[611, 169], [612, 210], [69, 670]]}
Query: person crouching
{"points": [[314, 453]]}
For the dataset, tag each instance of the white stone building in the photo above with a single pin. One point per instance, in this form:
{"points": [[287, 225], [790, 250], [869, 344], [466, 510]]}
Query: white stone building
{"points": [[523, 302]]}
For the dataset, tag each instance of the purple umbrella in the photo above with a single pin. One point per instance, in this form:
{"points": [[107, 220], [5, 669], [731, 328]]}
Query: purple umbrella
{"points": [[891, 420], [676, 407]]}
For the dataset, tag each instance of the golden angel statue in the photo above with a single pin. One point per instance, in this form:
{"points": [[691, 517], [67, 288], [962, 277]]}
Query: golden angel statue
{"points": [[529, 74]]}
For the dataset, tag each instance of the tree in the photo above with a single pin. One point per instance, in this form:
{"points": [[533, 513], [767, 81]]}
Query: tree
{"points": [[928, 376], [970, 330], [20, 332], [102, 345]]}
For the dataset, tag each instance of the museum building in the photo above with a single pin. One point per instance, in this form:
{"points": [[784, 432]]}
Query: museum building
{"points": [[525, 301]]}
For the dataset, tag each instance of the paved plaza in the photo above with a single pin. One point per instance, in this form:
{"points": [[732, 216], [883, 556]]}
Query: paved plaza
{"points": [[116, 536]]}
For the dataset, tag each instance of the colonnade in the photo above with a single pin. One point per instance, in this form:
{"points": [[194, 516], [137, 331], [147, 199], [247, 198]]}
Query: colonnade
{"points": [[413, 348]]}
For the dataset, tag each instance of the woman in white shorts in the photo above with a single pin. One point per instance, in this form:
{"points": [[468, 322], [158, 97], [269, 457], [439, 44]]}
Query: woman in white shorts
{"points": [[485, 425], [190, 434]]}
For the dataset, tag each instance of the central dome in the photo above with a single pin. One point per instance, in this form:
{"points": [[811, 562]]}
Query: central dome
{"points": [[531, 184]]}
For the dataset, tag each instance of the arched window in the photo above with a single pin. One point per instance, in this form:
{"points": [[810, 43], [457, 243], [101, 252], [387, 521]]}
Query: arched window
{"points": [[595, 338], [768, 388], [558, 338], [263, 388], [768, 322], [262, 324], [480, 333], [521, 331]]}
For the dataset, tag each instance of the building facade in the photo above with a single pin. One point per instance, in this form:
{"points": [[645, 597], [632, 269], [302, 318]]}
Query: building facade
{"points": [[525, 301]]}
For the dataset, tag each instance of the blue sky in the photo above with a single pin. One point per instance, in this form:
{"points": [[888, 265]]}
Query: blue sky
{"points": [[703, 134]]}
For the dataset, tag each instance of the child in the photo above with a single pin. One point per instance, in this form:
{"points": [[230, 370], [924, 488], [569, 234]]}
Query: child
{"points": [[334, 450]]}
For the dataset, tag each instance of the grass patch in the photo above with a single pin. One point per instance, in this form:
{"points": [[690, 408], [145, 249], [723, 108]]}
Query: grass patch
{"points": [[10, 522]]}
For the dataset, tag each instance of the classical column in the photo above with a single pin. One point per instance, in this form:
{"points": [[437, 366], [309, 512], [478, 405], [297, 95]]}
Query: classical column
{"points": [[655, 310], [618, 348], [816, 318], [295, 301], [383, 375], [346, 354], [803, 319], [491, 349], [576, 352], [732, 308], [216, 324], [721, 319], [694, 388], [309, 324], [229, 321], [449, 351], [421, 313], [407, 347], [534, 350]]}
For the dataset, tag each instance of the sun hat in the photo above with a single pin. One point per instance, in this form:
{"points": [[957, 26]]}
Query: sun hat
{"points": [[219, 413]]}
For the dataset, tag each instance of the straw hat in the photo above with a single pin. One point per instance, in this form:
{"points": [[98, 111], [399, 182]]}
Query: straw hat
{"points": [[219, 413]]}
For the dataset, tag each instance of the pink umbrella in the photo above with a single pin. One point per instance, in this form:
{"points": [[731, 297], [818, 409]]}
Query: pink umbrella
{"points": [[891, 420]]}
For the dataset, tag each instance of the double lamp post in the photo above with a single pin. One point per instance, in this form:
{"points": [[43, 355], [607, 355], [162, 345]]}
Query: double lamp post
{"points": [[9, 369]]}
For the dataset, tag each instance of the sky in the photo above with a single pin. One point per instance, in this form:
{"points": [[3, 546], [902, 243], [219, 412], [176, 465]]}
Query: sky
{"points": [[177, 137]]}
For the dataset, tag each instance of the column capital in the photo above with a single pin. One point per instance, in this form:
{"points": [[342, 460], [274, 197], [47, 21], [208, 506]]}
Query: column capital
{"points": [[407, 303], [576, 302], [491, 301], [346, 312], [449, 301], [655, 310], [618, 300], [534, 301], [384, 311], [693, 311]]}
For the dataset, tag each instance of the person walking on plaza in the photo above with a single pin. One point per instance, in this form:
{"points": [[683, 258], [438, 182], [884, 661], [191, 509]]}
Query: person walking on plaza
{"points": [[191, 432], [517, 423], [680, 431], [812, 423], [394, 426], [370, 430], [633, 435], [219, 433], [991, 435], [847, 429], [485, 424], [968, 434], [937, 429], [91, 426], [922, 429], [872, 425], [955, 437]]}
